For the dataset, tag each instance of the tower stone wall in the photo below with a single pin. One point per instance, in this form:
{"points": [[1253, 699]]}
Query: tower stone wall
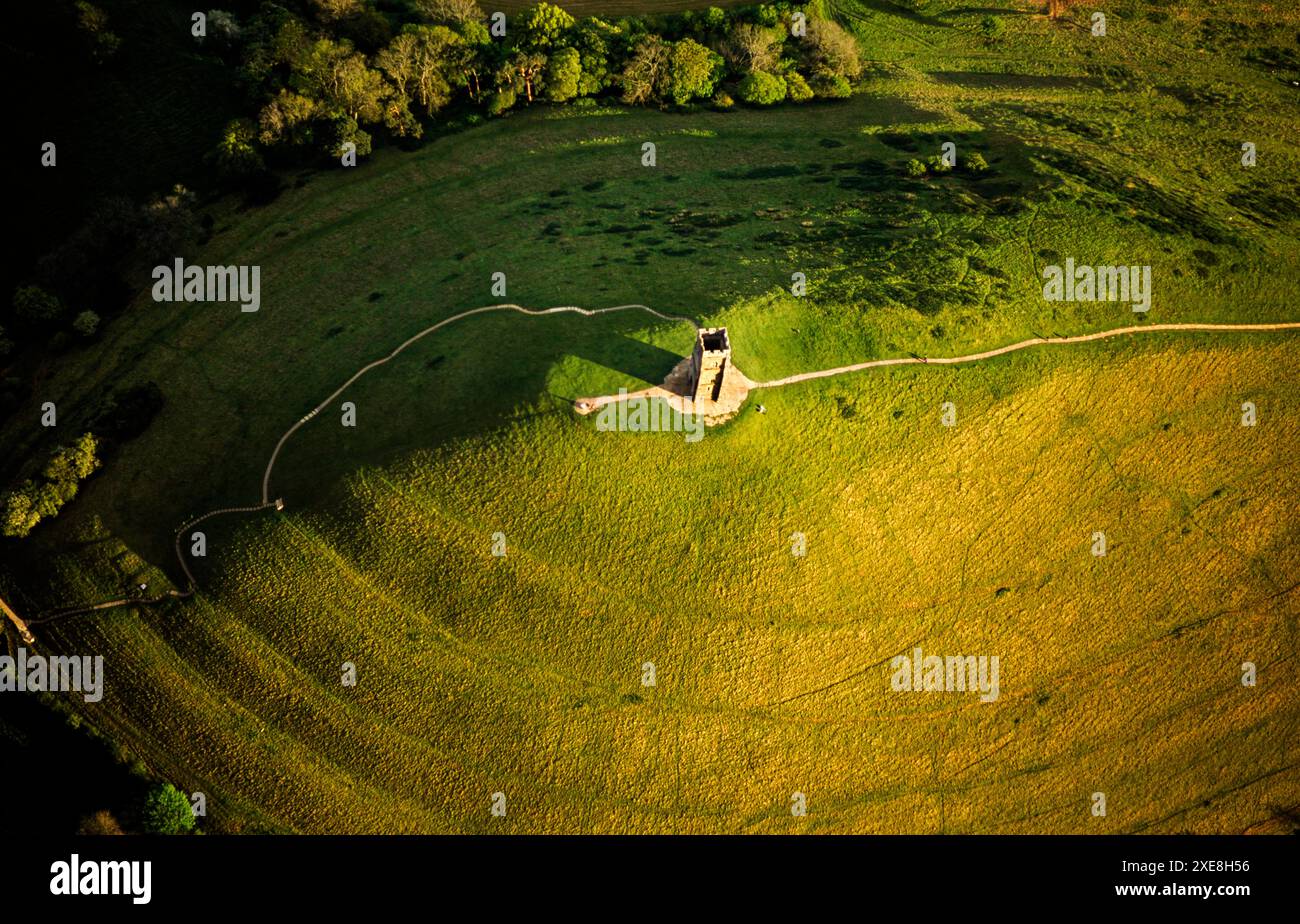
{"points": [[709, 363]]}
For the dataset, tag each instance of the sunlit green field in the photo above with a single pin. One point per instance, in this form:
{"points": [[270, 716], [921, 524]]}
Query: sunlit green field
{"points": [[523, 674]]}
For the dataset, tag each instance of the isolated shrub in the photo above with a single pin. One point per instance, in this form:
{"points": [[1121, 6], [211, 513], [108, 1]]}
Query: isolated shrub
{"points": [[831, 86], [797, 88], [722, 101], [102, 822], [166, 811], [976, 163], [936, 164], [760, 89], [915, 168], [35, 306], [991, 27]]}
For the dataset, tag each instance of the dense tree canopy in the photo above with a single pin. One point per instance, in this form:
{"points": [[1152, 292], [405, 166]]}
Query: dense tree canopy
{"points": [[318, 82]]}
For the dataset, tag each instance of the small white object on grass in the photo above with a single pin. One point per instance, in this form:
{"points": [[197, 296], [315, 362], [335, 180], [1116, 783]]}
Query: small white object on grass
{"points": [[762, 409]]}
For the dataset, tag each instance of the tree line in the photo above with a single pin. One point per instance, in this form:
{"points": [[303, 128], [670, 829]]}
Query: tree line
{"points": [[326, 75]]}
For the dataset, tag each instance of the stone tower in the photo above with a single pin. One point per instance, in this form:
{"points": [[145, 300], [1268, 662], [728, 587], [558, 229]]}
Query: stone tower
{"points": [[709, 363]]}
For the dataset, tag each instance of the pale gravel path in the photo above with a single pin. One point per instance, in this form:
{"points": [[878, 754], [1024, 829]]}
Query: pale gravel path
{"points": [[588, 312], [1023, 344], [591, 312]]}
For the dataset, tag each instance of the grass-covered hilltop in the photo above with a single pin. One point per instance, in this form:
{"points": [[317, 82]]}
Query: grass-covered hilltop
{"points": [[479, 611]]}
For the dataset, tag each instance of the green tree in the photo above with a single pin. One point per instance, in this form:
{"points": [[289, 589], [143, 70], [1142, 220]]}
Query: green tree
{"points": [[472, 60], [339, 79], [563, 75], [34, 305], [166, 811], [543, 26], [286, 118], [502, 101], [68, 466], [86, 323], [693, 71], [711, 23], [421, 63], [766, 14], [761, 89], [592, 38], [975, 162], [19, 515], [343, 129], [72, 464], [525, 69], [235, 155], [274, 42]]}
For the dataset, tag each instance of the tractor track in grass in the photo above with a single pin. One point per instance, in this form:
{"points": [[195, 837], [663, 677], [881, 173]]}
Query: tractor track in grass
{"points": [[267, 503]]}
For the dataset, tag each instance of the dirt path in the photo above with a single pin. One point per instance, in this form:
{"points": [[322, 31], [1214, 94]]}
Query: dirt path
{"points": [[1023, 344], [572, 309], [267, 503]]}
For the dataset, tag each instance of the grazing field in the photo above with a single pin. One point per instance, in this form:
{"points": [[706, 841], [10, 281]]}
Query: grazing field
{"points": [[477, 674], [522, 674]]}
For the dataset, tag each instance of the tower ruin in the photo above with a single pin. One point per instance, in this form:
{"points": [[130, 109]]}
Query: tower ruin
{"points": [[709, 363]]}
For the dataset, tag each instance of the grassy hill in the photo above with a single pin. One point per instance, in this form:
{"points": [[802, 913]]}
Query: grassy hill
{"points": [[522, 675]]}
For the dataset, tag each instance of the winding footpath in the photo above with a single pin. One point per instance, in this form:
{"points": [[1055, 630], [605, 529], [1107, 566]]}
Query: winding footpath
{"points": [[1023, 344], [267, 503]]}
